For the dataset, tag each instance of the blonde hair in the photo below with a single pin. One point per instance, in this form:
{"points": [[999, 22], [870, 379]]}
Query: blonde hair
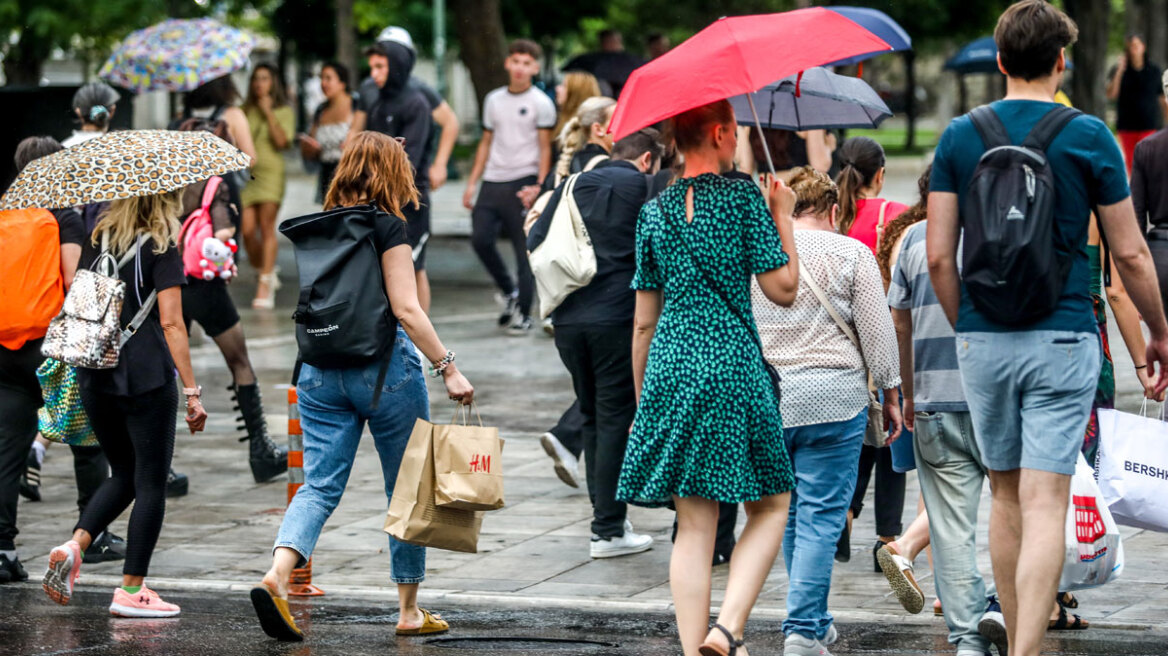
{"points": [[578, 87], [815, 192], [577, 131], [124, 219]]}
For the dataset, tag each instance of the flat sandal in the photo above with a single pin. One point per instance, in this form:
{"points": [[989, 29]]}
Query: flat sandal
{"points": [[710, 649]]}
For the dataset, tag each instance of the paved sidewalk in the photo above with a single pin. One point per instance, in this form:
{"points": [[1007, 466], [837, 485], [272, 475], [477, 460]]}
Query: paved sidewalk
{"points": [[534, 552]]}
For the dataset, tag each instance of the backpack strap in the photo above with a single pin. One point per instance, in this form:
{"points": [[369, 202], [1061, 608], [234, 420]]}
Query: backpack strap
{"points": [[594, 162], [990, 127], [1049, 126], [209, 192], [880, 223]]}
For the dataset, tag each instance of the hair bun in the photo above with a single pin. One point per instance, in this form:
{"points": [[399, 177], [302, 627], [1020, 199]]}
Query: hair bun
{"points": [[97, 111]]}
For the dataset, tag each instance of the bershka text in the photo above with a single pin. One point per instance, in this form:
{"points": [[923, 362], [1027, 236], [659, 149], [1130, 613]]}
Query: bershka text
{"points": [[1146, 470]]}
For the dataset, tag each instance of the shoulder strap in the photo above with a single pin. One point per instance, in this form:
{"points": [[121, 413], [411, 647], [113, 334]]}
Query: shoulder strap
{"points": [[1049, 126], [880, 223], [129, 255], [209, 191], [805, 276], [594, 162], [989, 126]]}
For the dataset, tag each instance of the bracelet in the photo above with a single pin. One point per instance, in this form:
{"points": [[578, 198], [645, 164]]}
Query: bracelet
{"points": [[439, 367], [196, 391]]}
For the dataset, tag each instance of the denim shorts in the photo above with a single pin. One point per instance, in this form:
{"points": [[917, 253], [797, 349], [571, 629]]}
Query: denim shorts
{"points": [[1029, 395]]}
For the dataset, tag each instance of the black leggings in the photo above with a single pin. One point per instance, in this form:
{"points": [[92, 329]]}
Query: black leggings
{"points": [[889, 490], [137, 435], [499, 210]]}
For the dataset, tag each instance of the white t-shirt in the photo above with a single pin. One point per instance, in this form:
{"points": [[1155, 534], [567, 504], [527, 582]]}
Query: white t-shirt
{"points": [[80, 136], [515, 119]]}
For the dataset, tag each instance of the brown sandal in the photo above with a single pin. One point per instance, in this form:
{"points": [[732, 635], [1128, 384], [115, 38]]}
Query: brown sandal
{"points": [[710, 649], [1065, 623], [431, 625], [275, 618]]}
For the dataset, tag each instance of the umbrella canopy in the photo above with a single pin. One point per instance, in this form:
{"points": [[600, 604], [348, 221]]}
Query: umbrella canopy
{"points": [[824, 101], [177, 55], [734, 56], [980, 56], [613, 68], [878, 23], [122, 164]]}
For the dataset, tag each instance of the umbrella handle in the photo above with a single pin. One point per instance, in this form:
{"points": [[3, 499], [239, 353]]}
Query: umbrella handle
{"points": [[758, 124]]}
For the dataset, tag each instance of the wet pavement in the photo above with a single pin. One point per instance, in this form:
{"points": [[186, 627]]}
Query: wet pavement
{"points": [[224, 624], [533, 558]]}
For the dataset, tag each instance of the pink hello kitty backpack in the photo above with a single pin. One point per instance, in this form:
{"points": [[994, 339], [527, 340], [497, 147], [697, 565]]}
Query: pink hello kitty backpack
{"points": [[203, 255]]}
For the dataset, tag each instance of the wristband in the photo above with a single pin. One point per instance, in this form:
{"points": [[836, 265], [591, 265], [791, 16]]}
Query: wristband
{"points": [[439, 367], [196, 391]]}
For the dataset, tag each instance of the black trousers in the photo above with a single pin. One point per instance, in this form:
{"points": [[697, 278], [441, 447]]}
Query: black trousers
{"points": [[137, 436], [20, 398], [570, 429], [497, 210], [889, 490], [600, 359], [90, 469]]}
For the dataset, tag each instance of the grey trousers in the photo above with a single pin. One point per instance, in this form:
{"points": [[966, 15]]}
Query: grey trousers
{"points": [[951, 474]]}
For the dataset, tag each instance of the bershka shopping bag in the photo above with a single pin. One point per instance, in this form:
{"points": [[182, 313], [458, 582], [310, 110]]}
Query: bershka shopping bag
{"points": [[413, 517], [1133, 468], [1094, 551], [468, 462]]}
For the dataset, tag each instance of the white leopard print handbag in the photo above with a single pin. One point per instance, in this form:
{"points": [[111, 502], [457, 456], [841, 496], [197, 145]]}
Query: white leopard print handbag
{"points": [[88, 332]]}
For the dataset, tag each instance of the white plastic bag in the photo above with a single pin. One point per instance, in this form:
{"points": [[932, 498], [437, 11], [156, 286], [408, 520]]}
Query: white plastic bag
{"points": [[1094, 551], [1133, 468], [565, 260]]}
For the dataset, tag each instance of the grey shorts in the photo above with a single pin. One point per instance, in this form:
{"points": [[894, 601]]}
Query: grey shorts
{"points": [[1029, 395]]}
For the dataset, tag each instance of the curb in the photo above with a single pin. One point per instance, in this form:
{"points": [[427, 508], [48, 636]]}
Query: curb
{"points": [[464, 600]]}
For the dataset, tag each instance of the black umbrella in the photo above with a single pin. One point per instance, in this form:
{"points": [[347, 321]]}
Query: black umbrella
{"points": [[613, 68]]}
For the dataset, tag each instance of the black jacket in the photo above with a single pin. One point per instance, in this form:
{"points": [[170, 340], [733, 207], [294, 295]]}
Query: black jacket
{"points": [[610, 197], [402, 110], [1150, 181]]}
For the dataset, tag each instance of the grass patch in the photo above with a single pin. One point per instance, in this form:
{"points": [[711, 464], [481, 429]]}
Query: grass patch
{"points": [[892, 139]]}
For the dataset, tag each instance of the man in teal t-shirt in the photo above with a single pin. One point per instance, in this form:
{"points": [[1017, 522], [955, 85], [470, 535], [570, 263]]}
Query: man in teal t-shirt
{"points": [[1030, 389]]}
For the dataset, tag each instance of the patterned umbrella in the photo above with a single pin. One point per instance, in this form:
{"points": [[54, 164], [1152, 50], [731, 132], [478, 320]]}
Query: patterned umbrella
{"points": [[177, 55], [122, 164]]}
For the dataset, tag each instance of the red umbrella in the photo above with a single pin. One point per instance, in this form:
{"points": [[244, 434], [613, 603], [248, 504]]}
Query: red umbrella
{"points": [[733, 56]]}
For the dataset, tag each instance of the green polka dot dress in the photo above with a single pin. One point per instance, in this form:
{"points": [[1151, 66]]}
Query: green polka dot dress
{"points": [[708, 424]]}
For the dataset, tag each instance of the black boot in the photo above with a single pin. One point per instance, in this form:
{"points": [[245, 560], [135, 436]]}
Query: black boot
{"points": [[266, 458]]}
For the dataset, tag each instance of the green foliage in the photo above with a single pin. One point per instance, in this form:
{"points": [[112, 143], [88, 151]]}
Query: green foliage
{"points": [[74, 25]]}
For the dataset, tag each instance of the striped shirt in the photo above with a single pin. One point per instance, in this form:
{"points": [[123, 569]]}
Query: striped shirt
{"points": [[936, 378]]}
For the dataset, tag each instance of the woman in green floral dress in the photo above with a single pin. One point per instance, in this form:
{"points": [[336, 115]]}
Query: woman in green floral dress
{"points": [[708, 428]]}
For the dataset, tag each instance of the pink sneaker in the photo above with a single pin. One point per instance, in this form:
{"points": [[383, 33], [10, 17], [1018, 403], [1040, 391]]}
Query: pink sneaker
{"points": [[144, 603], [64, 570]]}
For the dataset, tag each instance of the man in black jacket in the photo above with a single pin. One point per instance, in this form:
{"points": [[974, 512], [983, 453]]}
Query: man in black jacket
{"points": [[594, 326]]}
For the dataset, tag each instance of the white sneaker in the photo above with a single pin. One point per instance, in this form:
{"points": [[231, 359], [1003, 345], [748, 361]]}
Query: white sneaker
{"points": [[797, 645], [831, 637], [567, 465], [626, 545], [628, 526]]}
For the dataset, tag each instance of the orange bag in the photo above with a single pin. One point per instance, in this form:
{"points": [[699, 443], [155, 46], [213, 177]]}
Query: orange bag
{"points": [[32, 289]]}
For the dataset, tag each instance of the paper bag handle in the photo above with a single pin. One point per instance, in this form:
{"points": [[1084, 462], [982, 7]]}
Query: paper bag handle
{"points": [[461, 410]]}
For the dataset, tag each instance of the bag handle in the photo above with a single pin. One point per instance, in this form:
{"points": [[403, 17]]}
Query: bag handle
{"points": [[462, 410], [209, 192]]}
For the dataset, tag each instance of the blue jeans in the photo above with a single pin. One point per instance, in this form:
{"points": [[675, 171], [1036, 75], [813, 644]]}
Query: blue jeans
{"points": [[825, 458], [1030, 396], [334, 407]]}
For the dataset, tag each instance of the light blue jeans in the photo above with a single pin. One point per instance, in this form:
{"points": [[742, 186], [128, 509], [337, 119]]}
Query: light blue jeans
{"points": [[1030, 396], [825, 458], [951, 474], [335, 405]]}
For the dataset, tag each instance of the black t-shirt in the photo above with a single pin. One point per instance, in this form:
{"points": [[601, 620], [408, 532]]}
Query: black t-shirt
{"points": [[390, 231], [71, 226], [1138, 109], [145, 363]]}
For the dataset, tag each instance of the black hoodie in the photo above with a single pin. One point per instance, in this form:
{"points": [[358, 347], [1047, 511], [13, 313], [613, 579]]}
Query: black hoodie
{"points": [[402, 110]]}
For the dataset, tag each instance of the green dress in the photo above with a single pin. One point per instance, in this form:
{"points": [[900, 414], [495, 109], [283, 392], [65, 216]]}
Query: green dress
{"points": [[267, 183], [708, 423]]}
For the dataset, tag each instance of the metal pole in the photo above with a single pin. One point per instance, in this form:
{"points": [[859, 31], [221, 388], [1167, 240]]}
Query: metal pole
{"points": [[761, 137], [440, 44]]}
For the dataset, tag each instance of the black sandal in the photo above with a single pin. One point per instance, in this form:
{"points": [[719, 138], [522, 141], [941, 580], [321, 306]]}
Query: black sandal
{"points": [[1065, 623], [710, 649], [1067, 600]]}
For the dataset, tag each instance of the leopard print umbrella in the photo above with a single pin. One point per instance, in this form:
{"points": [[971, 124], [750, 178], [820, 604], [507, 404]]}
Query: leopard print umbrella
{"points": [[122, 164]]}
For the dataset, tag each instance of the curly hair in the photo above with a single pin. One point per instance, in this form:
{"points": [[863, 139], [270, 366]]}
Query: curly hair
{"points": [[815, 192], [373, 169]]}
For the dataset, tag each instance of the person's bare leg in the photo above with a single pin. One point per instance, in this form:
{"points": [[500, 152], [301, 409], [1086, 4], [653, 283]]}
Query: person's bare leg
{"points": [[423, 282], [409, 617], [248, 228], [915, 538], [1005, 543], [1043, 502], [690, 568], [268, 242], [284, 560], [83, 538], [759, 545]]}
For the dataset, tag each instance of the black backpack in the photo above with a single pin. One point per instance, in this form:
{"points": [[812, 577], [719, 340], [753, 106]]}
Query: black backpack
{"points": [[343, 318], [1015, 263]]}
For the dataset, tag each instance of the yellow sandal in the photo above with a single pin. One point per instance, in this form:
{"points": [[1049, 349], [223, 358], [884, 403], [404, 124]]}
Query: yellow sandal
{"points": [[275, 618], [431, 625]]}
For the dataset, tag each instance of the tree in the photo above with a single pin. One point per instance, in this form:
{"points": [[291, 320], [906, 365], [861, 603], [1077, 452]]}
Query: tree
{"points": [[482, 44], [1088, 84], [39, 28], [1149, 18]]}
